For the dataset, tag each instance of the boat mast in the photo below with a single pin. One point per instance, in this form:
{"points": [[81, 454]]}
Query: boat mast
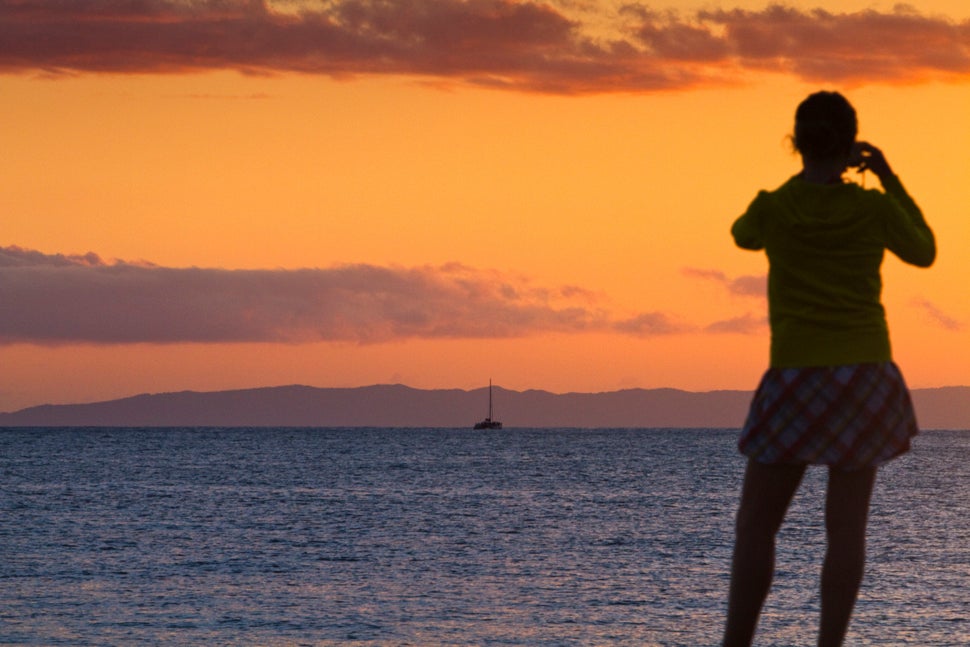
{"points": [[489, 398]]}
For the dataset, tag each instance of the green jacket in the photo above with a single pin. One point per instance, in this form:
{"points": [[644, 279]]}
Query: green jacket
{"points": [[825, 245]]}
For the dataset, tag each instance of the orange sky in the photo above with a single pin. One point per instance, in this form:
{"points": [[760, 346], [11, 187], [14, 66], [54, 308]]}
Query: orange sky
{"points": [[442, 195]]}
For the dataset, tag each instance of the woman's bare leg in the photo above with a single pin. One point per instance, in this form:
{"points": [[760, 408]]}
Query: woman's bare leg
{"points": [[846, 516], [765, 495]]}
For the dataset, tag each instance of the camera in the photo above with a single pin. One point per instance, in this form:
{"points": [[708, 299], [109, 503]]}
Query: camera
{"points": [[856, 158]]}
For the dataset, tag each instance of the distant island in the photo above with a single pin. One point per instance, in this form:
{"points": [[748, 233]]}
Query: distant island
{"points": [[402, 406]]}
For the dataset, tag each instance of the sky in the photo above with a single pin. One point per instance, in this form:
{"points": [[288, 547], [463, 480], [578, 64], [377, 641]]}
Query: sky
{"points": [[243, 193]]}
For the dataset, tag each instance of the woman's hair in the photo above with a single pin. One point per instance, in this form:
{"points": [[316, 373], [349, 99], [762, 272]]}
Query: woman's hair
{"points": [[825, 126]]}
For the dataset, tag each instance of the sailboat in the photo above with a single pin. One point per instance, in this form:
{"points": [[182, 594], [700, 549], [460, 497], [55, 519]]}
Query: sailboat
{"points": [[488, 423]]}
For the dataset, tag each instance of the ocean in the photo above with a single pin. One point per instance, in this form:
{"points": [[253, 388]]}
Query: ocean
{"points": [[432, 537]]}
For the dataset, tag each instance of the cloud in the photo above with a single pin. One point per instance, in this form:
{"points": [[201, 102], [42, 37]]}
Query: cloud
{"points": [[937, 316], [561, 47], [742, 286], [745, 286], [864, 46], [63, 299], [747, 324], [650, 324]]}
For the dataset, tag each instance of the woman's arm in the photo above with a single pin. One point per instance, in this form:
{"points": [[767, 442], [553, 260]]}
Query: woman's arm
{"points": [[907, 234], [747, 230]]}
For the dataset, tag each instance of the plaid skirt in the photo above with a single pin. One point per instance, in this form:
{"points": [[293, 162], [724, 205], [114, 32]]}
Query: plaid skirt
{"points": [[850, 417]]}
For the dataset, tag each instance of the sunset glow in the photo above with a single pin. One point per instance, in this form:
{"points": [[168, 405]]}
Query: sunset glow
{"points": [[212, 195]]}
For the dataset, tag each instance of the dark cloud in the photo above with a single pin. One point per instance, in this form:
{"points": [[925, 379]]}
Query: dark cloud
{"points": [[937, 316], [56, 299], [533, 46], [64, 299]]}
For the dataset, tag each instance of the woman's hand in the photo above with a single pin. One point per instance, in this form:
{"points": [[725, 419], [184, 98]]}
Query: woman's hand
{"points": [[866, 157]]}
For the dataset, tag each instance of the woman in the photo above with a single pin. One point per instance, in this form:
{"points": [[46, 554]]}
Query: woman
{"points": [[832, 394]]}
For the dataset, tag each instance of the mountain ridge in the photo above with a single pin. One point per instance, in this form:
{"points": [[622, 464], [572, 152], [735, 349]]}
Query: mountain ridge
{"points": [[398, 405]]}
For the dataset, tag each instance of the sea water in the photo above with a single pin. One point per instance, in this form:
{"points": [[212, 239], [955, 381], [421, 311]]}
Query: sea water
{"points": [[444, 537]]}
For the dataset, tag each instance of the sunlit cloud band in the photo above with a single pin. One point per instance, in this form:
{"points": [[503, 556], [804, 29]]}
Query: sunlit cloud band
{"points": [[558, 47]]}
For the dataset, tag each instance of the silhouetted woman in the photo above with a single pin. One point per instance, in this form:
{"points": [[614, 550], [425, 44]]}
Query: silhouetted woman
{"points": [[832, 394]]}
